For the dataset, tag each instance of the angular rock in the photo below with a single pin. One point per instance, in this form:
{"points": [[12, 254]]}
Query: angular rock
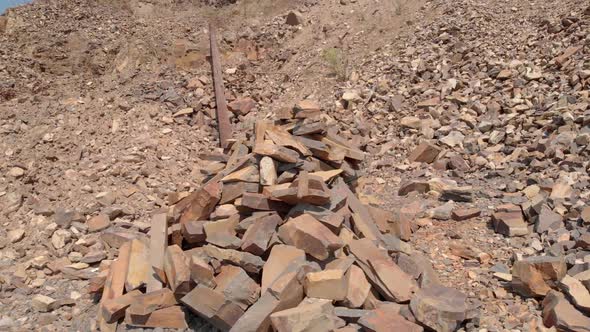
{"points": [[577, 292], [201, 272], [258, 235], [247, 261], [280, 258], [559, 313], [425, 152], [440, 308], [138, 272], [241, 106], [384, 320], [536, 276], [309, 315], [268, 171], [213, 306], [237, 286], [508, 221], [98, 223], [327, 284], [167, 318], [285, 292], [465, 214], [308, 234], [390, 281], [176, 266], [200, 204], [358, 287]]}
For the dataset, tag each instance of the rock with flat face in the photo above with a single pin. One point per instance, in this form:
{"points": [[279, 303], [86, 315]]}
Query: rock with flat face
{"points": [[425, 152], [577, 293], [280, 258], [309, 315], [237, 286], [535, 276], [440, 308], [327, 284], [213, 306], [559, 313], [308, 234], [547, 220], [383, 319], [508, 221], [386, 276]]}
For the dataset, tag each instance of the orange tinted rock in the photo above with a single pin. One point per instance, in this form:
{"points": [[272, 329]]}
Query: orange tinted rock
{"points": [[242, 106], [536, 276], [114, 309], [559, 313], [284, 293], [145, 304], [201, 203], [237, 286], [390, 281], [177, 270], [98, 223], [379, 320], [309, 315], [139, 270], [158, 245], [258, 235], [440, 308], [213, 306], [464, 214], [508, 220], [222, 233], [193, 231], [425, 152], [169, 318], [281, 256], [358, 287], [327, 284], [308, 234], [201, 272]]}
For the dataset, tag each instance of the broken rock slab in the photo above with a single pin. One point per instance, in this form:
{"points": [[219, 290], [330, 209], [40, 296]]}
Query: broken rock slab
{"points": [[559, 313], [310, 235], [383, 319], [213, 306], [425, 152], [440, 308], [577, 293], [388, 279], [536, 276], [508, 221], [310, 315], [237, 286]]}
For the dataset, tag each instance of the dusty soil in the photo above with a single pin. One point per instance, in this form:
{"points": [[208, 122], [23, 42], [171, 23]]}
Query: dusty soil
{"points": [[89, 91]]}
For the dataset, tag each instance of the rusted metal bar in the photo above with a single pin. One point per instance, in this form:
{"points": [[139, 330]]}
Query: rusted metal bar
{"points": [[225, 131]]}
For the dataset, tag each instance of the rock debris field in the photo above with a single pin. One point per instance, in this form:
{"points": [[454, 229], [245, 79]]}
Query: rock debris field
{"points": [[393, 166]]}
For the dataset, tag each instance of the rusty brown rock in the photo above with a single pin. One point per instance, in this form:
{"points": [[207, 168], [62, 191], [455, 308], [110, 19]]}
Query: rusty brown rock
{"points": [[559, 313], [200, 204], [536, 276], [308, 234], [440, 308], [309, 315], [213, 306], [176, 266], [237, 286], [391, 282], [425, 152], [257, 236]]}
